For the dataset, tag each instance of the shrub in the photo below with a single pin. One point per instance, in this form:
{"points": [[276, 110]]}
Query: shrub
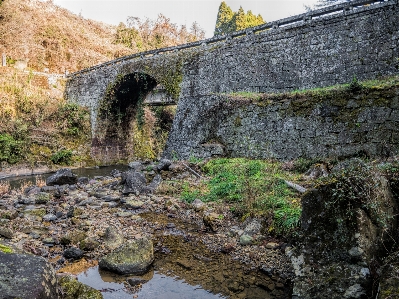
{"points": [[62, 157], [10, 149], [355, 85], [72, 119]]}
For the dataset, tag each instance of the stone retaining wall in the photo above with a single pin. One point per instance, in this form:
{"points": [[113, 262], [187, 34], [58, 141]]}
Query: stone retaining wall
{"points": [[312, 125]]}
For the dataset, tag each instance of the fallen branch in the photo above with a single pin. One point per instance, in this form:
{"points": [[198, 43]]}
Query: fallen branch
{"points": [[193, 171], [296, 186]]}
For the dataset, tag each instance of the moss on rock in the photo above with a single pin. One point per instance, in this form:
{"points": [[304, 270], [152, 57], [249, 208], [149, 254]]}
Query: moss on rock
{"points": [[36, 212], [133, 258], [73, 289], [5, 249]]}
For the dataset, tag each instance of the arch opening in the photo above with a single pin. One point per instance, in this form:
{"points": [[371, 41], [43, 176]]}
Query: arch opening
{"points": [[126, 127], [121, 106]]}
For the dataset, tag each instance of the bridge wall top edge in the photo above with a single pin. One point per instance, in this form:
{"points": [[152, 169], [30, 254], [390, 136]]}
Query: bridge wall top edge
{"points": [[351, 7]]}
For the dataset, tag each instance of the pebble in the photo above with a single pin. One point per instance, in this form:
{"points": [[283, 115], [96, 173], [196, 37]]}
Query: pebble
{"points": [[49, 217], [246, 240]]}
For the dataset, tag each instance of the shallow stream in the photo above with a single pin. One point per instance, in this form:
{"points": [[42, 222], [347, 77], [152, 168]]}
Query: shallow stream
{"points": [[183, 268], [90, 172]]}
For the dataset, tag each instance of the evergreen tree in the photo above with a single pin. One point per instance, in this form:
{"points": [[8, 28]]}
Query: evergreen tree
{"points": [[242, 20], [227, 21], [223, 20]]}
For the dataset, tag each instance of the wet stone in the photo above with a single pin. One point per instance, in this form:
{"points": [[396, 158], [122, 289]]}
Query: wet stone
{"points": [[86, 202], [34, 235], [83, 180], [72, 289], [132, 258], [136, 166], [89, 244], [42, 198], [33, 191], [73, 253], [110, 198], [164, 164], [48, 241], [62, 177], [32, 277]]}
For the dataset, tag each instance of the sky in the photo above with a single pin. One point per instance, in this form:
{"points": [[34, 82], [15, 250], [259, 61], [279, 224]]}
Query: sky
{"points": [[180, 12]]}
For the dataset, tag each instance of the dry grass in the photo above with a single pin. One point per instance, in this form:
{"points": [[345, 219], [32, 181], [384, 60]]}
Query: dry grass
{"points": [[38, 118], [4, 188], [21, 99], [48, 36]]}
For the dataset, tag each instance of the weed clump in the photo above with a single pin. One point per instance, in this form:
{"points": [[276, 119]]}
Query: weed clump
{"points": [[62, 157], [252, 187], [11, 150]]}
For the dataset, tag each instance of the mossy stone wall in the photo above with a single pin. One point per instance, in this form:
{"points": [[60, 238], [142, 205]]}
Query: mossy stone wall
{"points": [[338, 123]]}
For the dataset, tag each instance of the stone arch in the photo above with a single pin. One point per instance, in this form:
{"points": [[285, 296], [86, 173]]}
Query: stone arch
{"points": [[121, 105]]}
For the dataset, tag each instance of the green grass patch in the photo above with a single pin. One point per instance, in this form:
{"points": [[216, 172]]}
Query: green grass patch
{"points": [[254, 187], [353, 86]]}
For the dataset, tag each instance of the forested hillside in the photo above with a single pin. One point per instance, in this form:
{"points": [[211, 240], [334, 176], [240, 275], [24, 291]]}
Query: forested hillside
{"points": [[51, 38]]}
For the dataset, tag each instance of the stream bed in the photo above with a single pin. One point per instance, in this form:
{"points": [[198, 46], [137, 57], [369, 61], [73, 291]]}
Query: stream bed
{"points": [[184, 267]]}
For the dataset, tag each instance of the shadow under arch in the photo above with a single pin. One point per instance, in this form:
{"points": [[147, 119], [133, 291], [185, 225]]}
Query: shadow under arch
{"points": [[122, 104]]}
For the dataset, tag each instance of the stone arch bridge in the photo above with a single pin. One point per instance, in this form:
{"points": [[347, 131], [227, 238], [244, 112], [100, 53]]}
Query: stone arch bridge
{"points": [[320, 48]]}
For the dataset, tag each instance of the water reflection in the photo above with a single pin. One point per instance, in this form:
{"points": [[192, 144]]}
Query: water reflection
{"points": [[157, 286], [31, 180]]}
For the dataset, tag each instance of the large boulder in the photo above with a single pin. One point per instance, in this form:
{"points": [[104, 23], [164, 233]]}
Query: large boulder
{"points": [[134, 182], [62, 177], [348, 223], [135, 257], [26, 276]]}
